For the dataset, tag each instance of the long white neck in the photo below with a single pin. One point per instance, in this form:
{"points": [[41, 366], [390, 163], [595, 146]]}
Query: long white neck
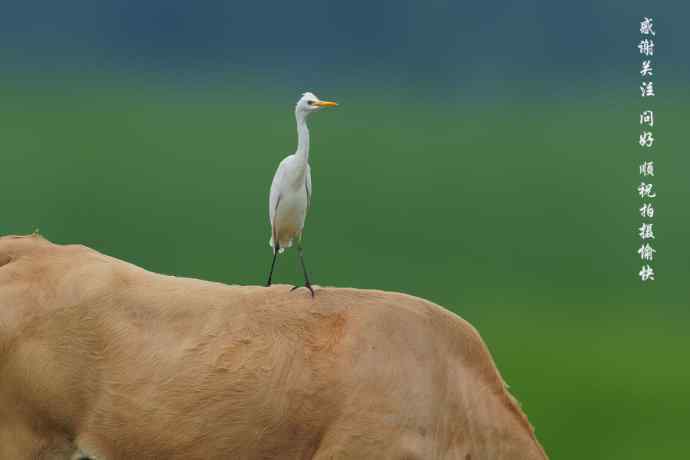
{"points": [[302, 138]]}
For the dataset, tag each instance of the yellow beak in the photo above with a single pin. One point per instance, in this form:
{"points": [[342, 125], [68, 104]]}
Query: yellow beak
{"points": [[325, 104]]}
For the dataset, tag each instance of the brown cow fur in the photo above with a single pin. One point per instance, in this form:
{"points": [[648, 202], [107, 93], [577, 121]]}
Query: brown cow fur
{"points": [[104, 357]]}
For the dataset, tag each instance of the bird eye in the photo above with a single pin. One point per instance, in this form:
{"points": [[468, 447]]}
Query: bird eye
{"points": [[310, 102]]}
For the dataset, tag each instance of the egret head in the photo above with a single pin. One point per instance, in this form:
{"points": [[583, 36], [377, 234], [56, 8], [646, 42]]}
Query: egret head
{"points": [[309, 103]]}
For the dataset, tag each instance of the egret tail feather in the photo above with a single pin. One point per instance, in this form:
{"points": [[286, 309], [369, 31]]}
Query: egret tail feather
{"points": [[282, 248]]}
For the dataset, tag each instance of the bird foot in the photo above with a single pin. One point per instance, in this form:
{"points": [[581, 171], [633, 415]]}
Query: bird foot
{"points": [[307, 285]]}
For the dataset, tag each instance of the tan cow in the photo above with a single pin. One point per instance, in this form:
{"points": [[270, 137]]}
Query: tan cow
{"points": [[103, 358]]}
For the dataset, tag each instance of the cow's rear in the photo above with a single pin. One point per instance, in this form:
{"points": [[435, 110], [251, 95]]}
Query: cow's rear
{"points": [[99, 355]]}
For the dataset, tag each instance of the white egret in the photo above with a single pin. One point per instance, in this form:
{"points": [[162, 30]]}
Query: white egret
{"points": [[290, 195]]}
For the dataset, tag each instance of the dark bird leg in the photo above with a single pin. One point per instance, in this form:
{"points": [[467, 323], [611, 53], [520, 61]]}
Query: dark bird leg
{"points": [[307, 284], [273, 264]]}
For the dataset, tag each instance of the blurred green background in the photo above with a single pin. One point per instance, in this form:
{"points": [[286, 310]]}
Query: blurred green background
{"points": [[496, 180]]}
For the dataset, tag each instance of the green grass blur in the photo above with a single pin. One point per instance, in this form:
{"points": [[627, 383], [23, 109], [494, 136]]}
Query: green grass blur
{"points": [[521, 217]]}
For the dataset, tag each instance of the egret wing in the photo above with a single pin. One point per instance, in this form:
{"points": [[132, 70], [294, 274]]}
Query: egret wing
{"points": [[308, 186], [274, 195]]}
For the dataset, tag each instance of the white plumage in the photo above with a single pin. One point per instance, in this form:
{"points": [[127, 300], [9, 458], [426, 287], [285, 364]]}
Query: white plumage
{"points": [[291, 190], [288, 201]]}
